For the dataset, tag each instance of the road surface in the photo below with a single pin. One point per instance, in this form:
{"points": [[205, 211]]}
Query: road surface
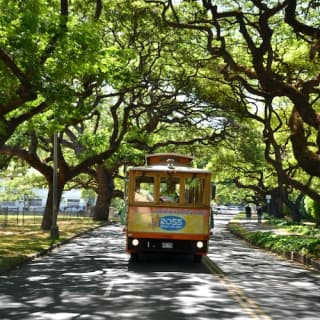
{"points": [[92, 278]]}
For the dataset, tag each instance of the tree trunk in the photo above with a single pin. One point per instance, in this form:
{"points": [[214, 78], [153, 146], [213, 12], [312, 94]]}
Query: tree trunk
{"points": [[295, 212], [276, 204], [105, 192], [47, 216]]}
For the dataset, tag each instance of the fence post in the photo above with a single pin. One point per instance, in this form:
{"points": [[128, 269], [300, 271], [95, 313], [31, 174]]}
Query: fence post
{"points": [[23, 216], [5, 222]]}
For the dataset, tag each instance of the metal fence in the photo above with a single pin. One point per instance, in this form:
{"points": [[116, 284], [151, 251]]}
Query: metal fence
{"points": [[19, 217]]}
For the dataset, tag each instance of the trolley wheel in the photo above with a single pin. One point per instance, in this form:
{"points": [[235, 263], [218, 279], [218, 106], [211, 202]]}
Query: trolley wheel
{"points": [[197, 258], [134, 257]]}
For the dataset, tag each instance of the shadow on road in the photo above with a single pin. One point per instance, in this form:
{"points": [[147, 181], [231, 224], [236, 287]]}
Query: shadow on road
{"points": [[166, 263], [91, 278]]}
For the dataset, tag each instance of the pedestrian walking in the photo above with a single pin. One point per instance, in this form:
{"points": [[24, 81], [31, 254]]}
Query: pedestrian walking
{"points": [[248, 212], [259, 213]]}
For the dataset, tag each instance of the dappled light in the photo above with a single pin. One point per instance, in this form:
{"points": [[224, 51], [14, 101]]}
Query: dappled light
{"points": [[92, 278], [91, 88], [279, 287]]}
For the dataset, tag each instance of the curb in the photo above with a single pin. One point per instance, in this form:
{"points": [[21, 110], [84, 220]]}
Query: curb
{"points": [[298, 257]]}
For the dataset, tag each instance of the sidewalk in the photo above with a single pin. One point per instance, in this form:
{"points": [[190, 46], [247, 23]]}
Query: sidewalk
{"points": [[252, 225]]}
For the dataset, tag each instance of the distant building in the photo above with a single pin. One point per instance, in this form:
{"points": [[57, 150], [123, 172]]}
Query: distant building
{"points": [[71, 200]]}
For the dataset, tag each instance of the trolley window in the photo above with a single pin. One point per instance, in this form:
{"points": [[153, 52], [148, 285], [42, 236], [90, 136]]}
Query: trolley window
{"points": [[194, 191], [144, 189], [169, 189]]}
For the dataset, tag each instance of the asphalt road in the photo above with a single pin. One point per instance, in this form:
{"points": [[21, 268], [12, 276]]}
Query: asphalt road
{"points": [[92, 278], [269, 285]]}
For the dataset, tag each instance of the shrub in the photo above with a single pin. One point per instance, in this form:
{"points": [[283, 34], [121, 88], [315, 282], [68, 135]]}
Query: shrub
{"points": [[307, 241], [313, 208]]}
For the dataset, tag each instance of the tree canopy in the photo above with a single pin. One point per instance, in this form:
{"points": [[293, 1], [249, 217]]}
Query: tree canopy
{"points": [[234, 83]]}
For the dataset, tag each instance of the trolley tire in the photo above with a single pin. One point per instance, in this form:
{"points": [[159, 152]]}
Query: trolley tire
{"points": [[134, 257]]}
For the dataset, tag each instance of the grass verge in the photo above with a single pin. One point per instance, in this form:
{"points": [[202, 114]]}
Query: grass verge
{"points": [[19, 243], [280, 236]]}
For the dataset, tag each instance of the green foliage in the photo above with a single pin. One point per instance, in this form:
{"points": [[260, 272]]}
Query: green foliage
{"points": [[73, 65], [279, 222], [262, 239], [304, 230], [227, 193], [4, 161], [17, 188], [283, 243], [240, 156], [118, 204], [308, 242], [313, 208], [88, 194]]}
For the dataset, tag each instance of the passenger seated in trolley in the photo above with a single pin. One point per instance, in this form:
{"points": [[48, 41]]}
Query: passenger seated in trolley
{"points": [[169, 189], [170, 196], [141, 195]]}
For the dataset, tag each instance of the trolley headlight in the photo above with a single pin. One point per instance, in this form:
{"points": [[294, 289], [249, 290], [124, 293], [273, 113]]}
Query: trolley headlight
{"points": [[135, 242], [199, 244]]}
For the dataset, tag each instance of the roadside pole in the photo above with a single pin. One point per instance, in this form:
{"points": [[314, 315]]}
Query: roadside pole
{"points": [[54, 232]]}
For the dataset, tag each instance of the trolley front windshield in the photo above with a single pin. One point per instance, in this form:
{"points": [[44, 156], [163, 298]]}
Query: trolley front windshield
{"points": [[184, 189]]}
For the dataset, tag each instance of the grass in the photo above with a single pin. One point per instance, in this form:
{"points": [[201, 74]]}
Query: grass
{"points": [[19, 242], [281, 236]]}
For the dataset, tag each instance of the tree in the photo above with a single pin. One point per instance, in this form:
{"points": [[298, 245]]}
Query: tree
{"points": [[314, 209], [265, 71], [50, 64], [32, 57], [120, 95], [278, 47]]}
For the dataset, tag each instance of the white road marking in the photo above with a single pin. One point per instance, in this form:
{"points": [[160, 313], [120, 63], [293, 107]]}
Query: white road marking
{"points": [[109, 289]]}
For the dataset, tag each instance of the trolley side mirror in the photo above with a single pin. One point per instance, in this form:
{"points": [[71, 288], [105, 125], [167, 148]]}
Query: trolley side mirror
{"points": [[213, 190]]}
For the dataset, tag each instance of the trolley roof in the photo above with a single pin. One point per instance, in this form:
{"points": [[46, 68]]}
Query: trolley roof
{"points": [[169, 162], [165, 158], [177, 169]]}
